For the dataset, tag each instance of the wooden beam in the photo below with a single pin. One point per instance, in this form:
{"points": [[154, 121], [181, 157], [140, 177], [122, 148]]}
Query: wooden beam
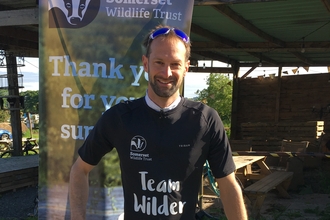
{"points": [[261, 47], [286, 64], [234, 107], [326, 4], [12, 43], [249, 71], [211, 36], [19, 17], [226, 10], [303, 58], [15, 118], [278, 95], [211, 69], [213, 56], [19, 33], [263, 58]]}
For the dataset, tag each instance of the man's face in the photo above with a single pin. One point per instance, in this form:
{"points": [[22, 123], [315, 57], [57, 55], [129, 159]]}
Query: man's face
{"points": [[166, 66]]}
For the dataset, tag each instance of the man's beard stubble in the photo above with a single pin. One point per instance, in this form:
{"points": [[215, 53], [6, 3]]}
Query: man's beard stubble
{"points": [[164, 93]]}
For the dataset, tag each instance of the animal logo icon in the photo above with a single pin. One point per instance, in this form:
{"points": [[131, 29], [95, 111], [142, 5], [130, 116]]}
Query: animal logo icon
{"points": [[72, 13], [138, 144]]}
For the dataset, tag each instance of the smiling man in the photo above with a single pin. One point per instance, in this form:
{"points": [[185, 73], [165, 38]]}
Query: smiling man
{"points": [[163, 141]]}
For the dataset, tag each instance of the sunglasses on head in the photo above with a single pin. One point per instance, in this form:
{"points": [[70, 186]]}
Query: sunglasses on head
{"points": [[164, 31]]}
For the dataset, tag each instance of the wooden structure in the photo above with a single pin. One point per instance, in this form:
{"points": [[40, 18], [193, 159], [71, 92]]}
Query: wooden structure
{"points": [[249, 33], [268, 136], [244, 168], [295, 108], [257, 191], [240, 145], [17, 172], [294, 164]]}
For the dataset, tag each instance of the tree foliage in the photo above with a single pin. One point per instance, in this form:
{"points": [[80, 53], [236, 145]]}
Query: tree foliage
{"points": [[218, 95], [4, 114], [31, 101]]}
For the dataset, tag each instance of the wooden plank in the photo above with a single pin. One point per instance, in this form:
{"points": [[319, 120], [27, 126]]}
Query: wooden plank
{"points": [[15, 176], [16, 186], [18, 163], [269, 182], [19, 17], [17, 172], [240, 145]]}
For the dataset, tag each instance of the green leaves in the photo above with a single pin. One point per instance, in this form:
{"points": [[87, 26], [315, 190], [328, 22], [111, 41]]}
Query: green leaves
{"points": [[218, 95]]}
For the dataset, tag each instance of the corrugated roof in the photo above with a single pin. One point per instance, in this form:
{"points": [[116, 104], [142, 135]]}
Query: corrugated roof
{"points": [[271, 31]]}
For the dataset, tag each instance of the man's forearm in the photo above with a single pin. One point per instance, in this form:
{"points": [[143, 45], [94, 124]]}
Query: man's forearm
{"points": [[234, 205], [232, 198], [79, 189]]}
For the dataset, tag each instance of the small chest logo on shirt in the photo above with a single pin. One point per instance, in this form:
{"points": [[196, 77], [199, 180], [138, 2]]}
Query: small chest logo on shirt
{"points": [[138, 143]]}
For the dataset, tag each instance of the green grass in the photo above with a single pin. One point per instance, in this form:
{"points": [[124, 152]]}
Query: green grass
{"points": [[35, 135]]}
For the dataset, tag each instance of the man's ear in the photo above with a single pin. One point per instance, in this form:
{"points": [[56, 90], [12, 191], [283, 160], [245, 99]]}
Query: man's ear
{"points": [[145, 63], [187, 67]]}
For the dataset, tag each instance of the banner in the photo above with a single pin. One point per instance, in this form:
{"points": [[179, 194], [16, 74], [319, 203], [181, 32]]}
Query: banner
{"points": [[90, 59]]}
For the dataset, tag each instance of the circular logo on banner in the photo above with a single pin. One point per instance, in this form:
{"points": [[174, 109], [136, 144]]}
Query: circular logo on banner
{"points": [[72, 13]]}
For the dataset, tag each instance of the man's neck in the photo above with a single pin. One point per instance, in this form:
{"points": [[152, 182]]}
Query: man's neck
{"points": [[164, 103]]}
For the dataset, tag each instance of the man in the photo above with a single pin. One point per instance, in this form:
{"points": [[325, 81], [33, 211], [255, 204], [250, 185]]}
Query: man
{"points": [[162, 141]]}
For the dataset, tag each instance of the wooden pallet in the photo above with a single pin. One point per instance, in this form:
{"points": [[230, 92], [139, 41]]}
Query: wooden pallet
{"points": [[17, 172]]}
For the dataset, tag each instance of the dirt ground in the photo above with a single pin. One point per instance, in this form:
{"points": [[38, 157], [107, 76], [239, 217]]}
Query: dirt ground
{"points": [[7, 126], [310, 201], [301, 206]]}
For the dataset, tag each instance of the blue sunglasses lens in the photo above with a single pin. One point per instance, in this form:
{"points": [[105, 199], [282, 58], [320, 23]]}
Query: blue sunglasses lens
{"points": [[182, 35], [163, 31], [158, 32]]}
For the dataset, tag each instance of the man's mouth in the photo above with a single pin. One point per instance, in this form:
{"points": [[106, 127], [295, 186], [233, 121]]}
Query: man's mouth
{"points": [[165, 82]]}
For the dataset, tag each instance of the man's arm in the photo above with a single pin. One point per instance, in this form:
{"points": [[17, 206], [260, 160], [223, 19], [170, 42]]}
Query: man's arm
{"points": [[79, 189], [232, 198]]}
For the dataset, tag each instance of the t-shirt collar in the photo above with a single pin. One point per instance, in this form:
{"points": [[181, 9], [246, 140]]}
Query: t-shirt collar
{"points": [[154, 106]]}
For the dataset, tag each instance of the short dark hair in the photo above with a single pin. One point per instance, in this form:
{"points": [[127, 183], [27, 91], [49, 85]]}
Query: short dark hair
{"points": [[147, 40]]}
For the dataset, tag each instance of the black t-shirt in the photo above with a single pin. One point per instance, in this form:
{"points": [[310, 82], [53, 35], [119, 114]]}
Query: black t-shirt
{"points": [[161, 155]]}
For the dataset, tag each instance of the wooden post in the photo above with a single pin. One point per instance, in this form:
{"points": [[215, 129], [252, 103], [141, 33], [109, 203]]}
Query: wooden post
{"points": [[15, 117], [278, 95], [234, 126]]}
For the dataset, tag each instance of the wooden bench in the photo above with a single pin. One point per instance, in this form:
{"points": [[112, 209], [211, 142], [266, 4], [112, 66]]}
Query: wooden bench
{"points": [[256, 192]]}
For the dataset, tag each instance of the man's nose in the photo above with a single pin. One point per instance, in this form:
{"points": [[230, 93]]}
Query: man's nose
{"points": [[167, 71]]}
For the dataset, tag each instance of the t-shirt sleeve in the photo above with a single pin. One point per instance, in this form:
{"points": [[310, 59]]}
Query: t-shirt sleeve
{"points": [[220, 155], [98, 142]]}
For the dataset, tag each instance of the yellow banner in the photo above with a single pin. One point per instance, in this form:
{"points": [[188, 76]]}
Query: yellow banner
{"points": [[90, 60]]}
